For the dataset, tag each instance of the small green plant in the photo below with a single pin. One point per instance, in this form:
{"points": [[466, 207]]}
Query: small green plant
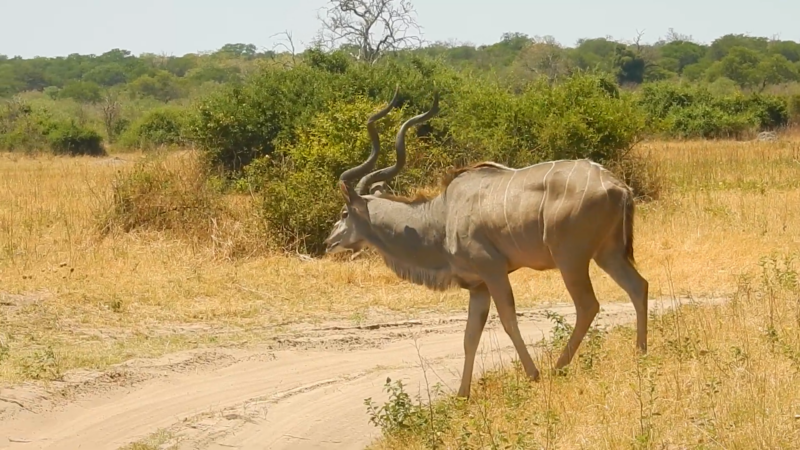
{"points": [[592, 348], [42, 365], [160, 440], [561, 330], [116, 304], [400, 413], [5, 349], [647, 372]]}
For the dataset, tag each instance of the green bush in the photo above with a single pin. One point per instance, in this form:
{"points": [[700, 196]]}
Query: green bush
{"points": [[241, 122], [657, 100], [770, 111], [685, 111], [299, 207], [69, 138], [161, 127], [706, 121], [584, 116], [23, 128], [487, 121], [794, 108]]}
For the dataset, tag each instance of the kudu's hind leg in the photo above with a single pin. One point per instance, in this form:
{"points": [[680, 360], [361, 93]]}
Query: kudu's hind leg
{"points": [[576, 278], [479, 303], [500, 288], [617, 266]]}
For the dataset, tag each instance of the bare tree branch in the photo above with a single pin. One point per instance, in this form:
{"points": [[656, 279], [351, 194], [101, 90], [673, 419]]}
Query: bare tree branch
{"points": [[544, 57], [288, 45], [371, 27], [673, 36], [112, 112], [637, 41]]}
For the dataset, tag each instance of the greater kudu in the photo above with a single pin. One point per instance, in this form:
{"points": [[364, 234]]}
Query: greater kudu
{"points": [[490, 220]]}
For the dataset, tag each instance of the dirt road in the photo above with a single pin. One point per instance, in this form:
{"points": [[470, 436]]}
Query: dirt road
{"points": [[308, 393]]}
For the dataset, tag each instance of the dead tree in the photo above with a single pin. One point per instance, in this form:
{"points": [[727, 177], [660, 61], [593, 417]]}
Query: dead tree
{"points": [[370, 27], [112, 111]]}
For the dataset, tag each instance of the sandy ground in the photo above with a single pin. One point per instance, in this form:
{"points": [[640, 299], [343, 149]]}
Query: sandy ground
{"points": [[305, 391]]}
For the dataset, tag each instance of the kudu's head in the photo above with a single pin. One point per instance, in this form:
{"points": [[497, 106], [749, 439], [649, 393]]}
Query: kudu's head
{"points": [[353, 227]]}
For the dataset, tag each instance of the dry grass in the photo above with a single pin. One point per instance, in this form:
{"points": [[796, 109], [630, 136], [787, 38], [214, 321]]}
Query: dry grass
{"points": [[147, 291]]}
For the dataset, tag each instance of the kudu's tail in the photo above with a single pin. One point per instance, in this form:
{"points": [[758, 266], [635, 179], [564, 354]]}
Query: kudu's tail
{"points": [[627, 225]]}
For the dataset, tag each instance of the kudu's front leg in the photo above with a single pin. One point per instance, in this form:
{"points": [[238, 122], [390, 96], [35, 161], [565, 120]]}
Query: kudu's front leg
{"points": [[500, 288], [576, 278], [479, 302]]}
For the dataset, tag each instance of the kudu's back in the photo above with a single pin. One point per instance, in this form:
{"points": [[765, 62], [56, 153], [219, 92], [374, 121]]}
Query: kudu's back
{"points": [[525, 213]]}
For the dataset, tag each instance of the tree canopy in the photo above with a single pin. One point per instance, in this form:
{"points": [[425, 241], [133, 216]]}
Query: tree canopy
{"points": [[750, 62]]}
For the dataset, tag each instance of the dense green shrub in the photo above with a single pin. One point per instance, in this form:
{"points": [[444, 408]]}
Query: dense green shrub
{"points": [[707, 121], [24, 128], [69, 138], [794, 108], [241, 122], [584, 116], [299, 207], [657, 100], [770, 111], [693, 112], [487, 121], [161, 127]]}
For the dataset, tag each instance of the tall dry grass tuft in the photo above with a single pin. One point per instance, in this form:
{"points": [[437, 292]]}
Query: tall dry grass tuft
{"points": [[642, 173], [170, 193], [163, 194]]}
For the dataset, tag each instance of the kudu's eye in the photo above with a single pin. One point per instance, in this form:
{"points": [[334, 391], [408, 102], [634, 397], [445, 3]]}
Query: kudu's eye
{"points": [[344, 214]]}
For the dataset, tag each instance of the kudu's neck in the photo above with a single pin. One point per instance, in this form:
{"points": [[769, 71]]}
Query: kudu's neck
{"points": [[411, 233]]}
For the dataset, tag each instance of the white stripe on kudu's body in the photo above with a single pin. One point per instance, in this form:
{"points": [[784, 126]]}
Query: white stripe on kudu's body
{"points": [[490, 220]]}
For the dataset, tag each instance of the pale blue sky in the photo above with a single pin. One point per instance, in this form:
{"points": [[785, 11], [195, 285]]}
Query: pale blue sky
{"points": [[60, 27]]}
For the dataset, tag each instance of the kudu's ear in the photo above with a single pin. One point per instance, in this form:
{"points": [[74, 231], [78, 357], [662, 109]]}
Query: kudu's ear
{"points": [[350, 195], [345, 191], [378, 189]]}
